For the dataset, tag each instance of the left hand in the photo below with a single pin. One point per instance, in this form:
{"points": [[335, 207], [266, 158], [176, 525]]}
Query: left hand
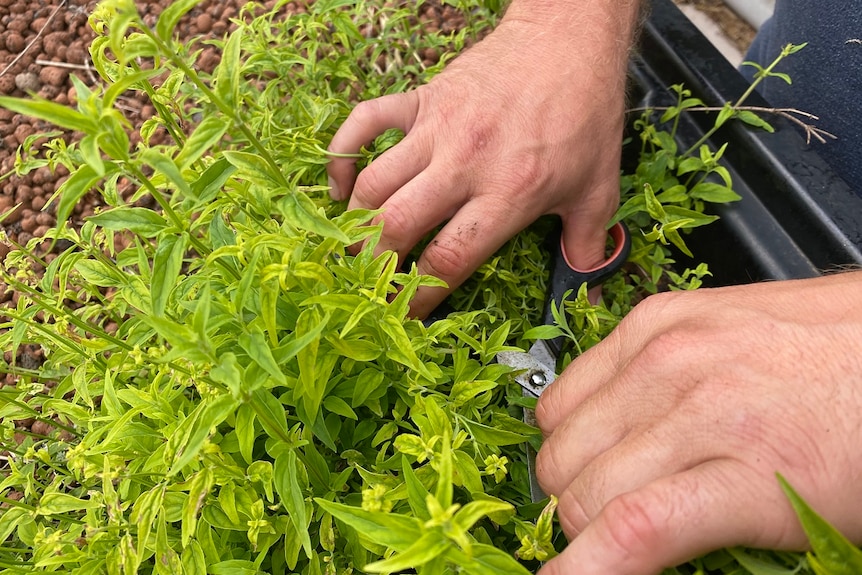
{"points": [[663, 441], [526, 122]]}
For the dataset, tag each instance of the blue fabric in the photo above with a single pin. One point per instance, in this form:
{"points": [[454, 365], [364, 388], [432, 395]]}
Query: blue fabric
{"points": [[827, 74]]}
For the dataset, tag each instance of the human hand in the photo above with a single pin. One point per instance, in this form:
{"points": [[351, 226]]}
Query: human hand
{"points": [[527, 122], [663, 441]]}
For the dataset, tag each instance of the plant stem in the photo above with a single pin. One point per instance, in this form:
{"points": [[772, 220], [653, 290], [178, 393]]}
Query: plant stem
{"points": [[759, 77], [228, 111]]}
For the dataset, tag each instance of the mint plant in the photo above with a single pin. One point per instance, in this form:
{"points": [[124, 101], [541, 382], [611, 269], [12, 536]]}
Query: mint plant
{"points": [[226, 388]]}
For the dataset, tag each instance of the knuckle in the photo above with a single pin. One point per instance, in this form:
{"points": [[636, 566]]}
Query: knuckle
{"points": [[444, 259], [398, 221], [369, 187], [550, 463], [522, 175], [367, 111], [547, 411], [530, 171], [632, 525], [572, 516], [647, 311], [664, 346]]}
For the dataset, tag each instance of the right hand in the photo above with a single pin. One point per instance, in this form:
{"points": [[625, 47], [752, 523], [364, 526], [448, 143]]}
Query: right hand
{"points": [[527, 122]]}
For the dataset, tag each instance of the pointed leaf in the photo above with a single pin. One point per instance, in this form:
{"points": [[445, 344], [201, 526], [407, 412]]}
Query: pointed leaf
{"points": [[833, 551], [287, 486], [426, 548], [167, 263], [301, 212], [395, 531]]}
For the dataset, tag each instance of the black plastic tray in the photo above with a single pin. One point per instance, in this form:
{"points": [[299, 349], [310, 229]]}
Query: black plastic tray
{"points": [[797, 218]]}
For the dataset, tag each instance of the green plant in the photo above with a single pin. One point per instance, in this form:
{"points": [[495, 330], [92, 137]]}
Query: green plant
{"points": [[226, 388]]}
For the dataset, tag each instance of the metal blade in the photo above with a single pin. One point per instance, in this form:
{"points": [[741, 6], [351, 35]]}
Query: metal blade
{"points": [[538, 365]]}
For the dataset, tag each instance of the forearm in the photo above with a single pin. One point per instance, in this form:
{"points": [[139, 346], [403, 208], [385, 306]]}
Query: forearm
{"points": [[596, 33]]}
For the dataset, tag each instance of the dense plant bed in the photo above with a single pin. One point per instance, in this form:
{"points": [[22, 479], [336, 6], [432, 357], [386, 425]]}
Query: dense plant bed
{"points": [[226, 389]]}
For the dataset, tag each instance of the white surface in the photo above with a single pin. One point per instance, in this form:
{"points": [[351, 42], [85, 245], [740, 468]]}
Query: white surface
{"points": [[712, 31], [755, 12]]}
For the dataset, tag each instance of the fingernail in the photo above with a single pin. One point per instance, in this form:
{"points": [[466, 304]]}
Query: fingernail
{"points": [[334, 192]]}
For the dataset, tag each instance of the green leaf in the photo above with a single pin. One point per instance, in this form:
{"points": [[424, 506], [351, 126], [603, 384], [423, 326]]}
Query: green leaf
{"points": [[166, 559], [144, 513], [443, 461], [464, 391], [416, 492], [165, 166], [270, 414], [716, 193], [393, 530], [255, 345], [208, 133], [753, 119], [287, 486], [426, 548], [234, 567], [653, 207], [124, 84], [301, 212], [92, 155], [488, 560], [99, 274], [690, 218], [199, 488], [339, 406], [757, 566], [193, 558], [724, 115], [358, 349], [245, 431], [484, 434], [227, 73], [167, 263], [688, 165], [833, 551], [255, 169], [57, 114], [142, 221], [468, 472], [10, 519], [58, 503], [401, 346], [468, 515], [211, 182], [171, 15], [786, 78], [186, 442], [543, 332], [73, 189]]}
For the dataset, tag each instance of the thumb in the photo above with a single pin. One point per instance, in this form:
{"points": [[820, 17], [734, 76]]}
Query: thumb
{"points": [[668, 522], [584, 235], [584, 241]]}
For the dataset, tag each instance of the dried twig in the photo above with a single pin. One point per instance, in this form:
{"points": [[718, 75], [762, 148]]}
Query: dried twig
{"points": [[33, 41], [63, 65], [791, 114]]}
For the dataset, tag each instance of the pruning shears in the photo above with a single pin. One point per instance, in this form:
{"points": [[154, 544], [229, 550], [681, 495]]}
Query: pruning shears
{"points": [[537, 367]]}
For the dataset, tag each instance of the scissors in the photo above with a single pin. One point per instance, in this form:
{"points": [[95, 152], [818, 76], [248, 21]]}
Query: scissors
{"points": [[537, 366]]}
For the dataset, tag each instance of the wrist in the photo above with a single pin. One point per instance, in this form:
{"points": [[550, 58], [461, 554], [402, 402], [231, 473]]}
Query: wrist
{"points": [[602, 28]]}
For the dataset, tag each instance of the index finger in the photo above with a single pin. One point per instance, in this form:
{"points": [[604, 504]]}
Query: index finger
{"points": [[611, 357], [368, 120], [472, 236]]}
